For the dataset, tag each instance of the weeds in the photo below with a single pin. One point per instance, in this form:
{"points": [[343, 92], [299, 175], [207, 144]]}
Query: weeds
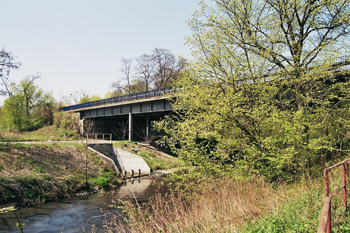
{"points": [[218, 206], [228, 205], [105, 180], [35, 173]]}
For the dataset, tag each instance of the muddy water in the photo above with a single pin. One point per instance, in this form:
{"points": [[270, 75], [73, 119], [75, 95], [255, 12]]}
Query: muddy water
{"points": [[76, 214]]}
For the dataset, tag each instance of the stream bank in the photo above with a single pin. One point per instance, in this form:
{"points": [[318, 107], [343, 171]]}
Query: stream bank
{"points": [[77, 214]]}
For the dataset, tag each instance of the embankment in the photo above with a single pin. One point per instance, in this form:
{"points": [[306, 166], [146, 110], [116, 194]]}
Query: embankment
{"points": [[35, 173]]}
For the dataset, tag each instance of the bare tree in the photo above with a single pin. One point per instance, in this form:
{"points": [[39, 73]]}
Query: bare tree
{"points": [[89, 133], [146, 65], [74, 98], [117, 89], [168, 67], [122, 130], [6, 65], [126, 69]]}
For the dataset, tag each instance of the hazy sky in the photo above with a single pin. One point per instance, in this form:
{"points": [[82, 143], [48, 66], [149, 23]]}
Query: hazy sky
{"points": [[78, 44]]}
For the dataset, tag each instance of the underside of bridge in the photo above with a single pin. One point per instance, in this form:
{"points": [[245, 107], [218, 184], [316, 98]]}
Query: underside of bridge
{"points": [[133, 127], [126, 120]]}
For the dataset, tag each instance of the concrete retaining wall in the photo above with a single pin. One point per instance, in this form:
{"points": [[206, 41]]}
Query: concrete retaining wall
{"points": [[120, 160], [109, 162], [105, 148]]}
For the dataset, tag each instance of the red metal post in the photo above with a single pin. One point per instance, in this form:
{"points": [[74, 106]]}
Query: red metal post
{"points": [[326, 178], [329, 222], [344, 184]]}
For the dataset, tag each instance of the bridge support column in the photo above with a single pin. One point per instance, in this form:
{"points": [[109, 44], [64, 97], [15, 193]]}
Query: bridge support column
{"points": [[147, 127], [130, 126]]}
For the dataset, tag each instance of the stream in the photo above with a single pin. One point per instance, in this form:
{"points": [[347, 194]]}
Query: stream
{"points": [[76, 214]]}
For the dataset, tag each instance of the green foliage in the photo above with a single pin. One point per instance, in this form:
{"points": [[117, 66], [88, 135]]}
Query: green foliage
{"points": [[101, 182], [253, 98], [64, 120], [28, 108], [38, 170], [104, 180], [300, 215], [87, 99], [124, 143]]}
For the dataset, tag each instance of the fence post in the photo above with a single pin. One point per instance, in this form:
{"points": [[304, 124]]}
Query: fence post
{"points": [[323, 224], [344, 184], [329, 225], [326, 178]]}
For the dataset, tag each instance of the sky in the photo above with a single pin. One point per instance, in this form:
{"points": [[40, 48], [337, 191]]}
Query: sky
{"points": [[78, 44]]}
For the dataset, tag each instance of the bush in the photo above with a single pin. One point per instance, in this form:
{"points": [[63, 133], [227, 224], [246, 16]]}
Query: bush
{"points": [[64, 120], [104, 180], [101, 182]]}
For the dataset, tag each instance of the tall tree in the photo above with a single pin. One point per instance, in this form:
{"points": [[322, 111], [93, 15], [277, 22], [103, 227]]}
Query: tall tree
{"points": [[167, 67], [126, 69], [6, 65], [28, 107], [262, 93], [145, 69]]}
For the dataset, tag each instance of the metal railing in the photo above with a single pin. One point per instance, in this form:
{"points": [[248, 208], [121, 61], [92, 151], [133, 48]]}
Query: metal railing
{"points": [[342, 63], [325, 223], [119, 99], [103, 136]]}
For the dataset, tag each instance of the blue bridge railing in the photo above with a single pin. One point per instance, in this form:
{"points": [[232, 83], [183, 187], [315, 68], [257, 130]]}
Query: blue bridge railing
{"points": [[123, 98]]}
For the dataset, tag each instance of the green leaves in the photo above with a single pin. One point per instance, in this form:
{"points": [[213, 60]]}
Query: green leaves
{"points": [[28, 107], [262, 94]]}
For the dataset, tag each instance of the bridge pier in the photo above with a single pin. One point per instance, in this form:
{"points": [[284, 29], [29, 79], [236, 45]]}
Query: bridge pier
{"points": [[130, 127], [147, 127]]}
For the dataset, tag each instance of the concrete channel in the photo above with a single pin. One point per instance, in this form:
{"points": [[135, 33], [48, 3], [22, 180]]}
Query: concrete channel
{"points": [[124, 163]]}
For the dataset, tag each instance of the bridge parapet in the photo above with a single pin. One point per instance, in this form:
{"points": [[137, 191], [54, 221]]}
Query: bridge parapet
{"points": [[120, 99]]}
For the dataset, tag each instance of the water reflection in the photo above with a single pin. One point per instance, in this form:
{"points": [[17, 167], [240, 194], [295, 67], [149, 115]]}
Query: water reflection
{"points": [[76, 214]]}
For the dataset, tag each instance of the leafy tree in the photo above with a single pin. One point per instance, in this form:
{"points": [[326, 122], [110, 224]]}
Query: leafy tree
{"points": [[263, 93], [13, 117], [86, 99], [29, 107]]}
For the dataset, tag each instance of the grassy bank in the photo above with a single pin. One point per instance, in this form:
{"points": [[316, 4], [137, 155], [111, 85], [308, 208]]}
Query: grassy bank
{"points": [[230, 205], [44, 134], [35, 173]]}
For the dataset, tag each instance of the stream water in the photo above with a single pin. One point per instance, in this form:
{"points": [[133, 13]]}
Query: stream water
{"points": [[76, 214]]}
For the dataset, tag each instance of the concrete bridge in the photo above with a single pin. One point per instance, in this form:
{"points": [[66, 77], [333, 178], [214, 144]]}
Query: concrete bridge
{"points": [[126, 117]]}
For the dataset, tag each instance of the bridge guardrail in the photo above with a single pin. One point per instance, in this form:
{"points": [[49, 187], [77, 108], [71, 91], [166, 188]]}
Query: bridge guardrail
{"points": [[343, 63], [325, 223], [119, 99]]}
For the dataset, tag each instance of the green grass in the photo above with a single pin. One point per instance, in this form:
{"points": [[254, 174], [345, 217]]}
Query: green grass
{"points": [[32, 173], [104, 180], [124, 143], [300, 214], [44, 134], [160, 162]]}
